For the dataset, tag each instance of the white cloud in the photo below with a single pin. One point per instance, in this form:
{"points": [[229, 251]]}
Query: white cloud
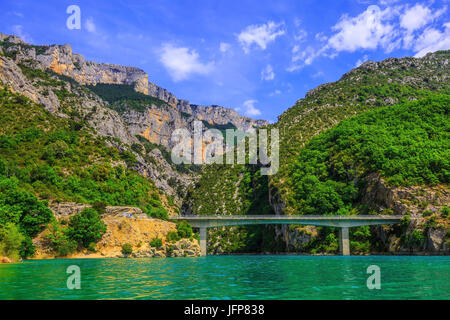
{"points": [[317, 74], [389, 28], [250, 109], [17, 29], [90, 25], [320, 37], [418, 16], [16, 13], [301, 35], [304, 57], [361, 61], [267, 73], [224, 47], [260, 35], [432, 40], [414, 19], [276, 92], [181, 62], [369, 30]]}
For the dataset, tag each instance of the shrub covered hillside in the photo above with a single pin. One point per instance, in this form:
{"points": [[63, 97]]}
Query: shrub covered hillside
{"points": [[46, 158], [370, 86], [407, 144]]}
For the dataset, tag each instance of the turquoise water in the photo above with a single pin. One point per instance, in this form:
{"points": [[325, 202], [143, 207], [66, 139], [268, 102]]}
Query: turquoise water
{"points": [[230, 277]]}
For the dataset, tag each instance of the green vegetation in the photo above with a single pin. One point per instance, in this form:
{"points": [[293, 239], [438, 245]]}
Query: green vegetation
{"points": [[244, 190], [22, 209], [86, 227], [83, 230], [445, 212], [184, 229], [127, 249], [122, 97], [11, 241], [408, 144], [156, 243], [172, 236], [391, 82], [52, 159], [59, 240], [43, 157]]}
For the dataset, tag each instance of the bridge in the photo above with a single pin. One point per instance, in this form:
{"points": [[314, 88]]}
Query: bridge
{"points": [[341, 222]]}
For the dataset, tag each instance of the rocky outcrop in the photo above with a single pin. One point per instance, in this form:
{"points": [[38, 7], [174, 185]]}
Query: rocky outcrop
{"points": [[5, 260], [162, 94], [428, 231], [181, 248], [61, 60], [12, 76], [412, 200], [122, 230], [67, 209], [219, 115]]}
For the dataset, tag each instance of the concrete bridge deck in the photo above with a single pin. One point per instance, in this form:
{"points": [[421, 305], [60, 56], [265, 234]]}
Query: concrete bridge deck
{"points": [[341, 222]]}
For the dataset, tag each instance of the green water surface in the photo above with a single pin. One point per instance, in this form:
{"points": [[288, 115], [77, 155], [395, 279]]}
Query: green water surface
{"points": [[230, 277]]}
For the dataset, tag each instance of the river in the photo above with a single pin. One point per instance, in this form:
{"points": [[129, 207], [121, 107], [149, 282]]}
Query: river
{"points": [[230, 277]]}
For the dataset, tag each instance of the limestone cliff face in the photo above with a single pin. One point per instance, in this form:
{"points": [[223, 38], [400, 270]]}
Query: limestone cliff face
{"points": [[424, 204], [61, 59], [162, 94], [22, 69], [11, 75], [220, 115]]}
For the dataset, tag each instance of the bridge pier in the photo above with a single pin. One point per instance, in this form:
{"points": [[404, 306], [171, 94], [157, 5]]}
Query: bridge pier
{"points": [[344, 243], [203, 240]]}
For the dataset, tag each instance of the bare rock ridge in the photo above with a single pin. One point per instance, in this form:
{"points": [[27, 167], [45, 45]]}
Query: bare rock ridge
{"points": [[61, 59]]}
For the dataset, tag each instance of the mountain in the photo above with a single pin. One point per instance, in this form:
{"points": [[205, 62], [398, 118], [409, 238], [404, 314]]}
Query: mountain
{"points": [[115, 101], [78, 132], [371, 86]]}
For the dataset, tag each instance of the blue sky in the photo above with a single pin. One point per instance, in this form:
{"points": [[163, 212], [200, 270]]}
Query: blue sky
{"points": [[257, 57]]}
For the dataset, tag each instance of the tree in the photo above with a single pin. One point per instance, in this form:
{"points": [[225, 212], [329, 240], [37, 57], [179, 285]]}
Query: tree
{"points": [[59, 240], [10, 241], [156, 243], [86, 227], [127, 249], [184, 229]]}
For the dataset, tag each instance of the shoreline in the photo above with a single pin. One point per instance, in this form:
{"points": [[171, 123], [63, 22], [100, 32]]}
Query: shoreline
{"points": [[256, 254], [405, 254]]}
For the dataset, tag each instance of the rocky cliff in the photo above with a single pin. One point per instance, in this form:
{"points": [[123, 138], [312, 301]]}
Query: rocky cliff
{"points": [[61, 60], [57, 78]]}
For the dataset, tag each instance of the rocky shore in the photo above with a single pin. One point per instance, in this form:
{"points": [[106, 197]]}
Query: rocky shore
{"points": [[125, 225]]}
